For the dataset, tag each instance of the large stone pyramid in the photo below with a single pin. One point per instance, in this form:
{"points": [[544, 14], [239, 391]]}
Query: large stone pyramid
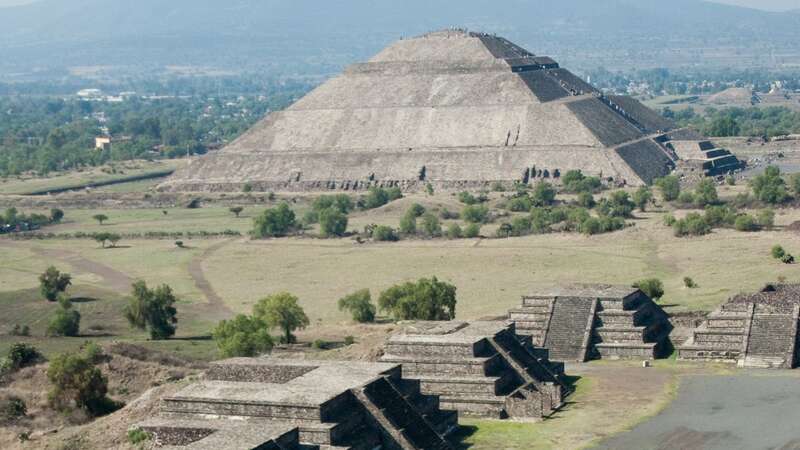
{"points": [[452, 108]]}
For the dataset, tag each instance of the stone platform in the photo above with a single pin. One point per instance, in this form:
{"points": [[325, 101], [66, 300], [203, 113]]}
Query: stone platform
{"points": [[589, 321], [479, 368], [286, 404], [752, 330]]}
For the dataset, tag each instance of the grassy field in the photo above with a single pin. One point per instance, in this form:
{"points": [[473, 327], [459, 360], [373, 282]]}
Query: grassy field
{"points": [[75, 179]]}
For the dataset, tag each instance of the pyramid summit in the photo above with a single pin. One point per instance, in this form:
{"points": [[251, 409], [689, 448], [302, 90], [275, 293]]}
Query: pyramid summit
{"points": [[455, 109]]}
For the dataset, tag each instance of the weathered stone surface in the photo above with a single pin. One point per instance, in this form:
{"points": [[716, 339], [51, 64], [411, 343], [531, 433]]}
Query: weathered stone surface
{"points": [[470, 108]]}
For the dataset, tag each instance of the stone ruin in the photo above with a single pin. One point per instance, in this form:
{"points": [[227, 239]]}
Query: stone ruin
{"points": [[752, 330], [455, 109], [479, 368], [266, 403], [589, 321]]}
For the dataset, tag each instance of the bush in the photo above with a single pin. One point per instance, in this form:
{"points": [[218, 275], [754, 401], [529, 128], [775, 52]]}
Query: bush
{"points": [[692, 225], [359, 305], [602, 224], [689, 282], [283, 311], [242, 336], [720, 215], [586, 200], [340, 202], [93, 352], [686, 198], [475, 213], [12, 408], [575, 182], [543, 194], [152, 310], [787, 259], [706, 193], [669, 186], [521, 226], [377, 197], [498, 187], [320, 344], [777, 252], [794, 183], [746, 222], [669, 220], [52, 283], [416, 210], [766, 219], [236, 210], [20, 330], [349, 340], [446, 214], [652, 287], [522, 203], [467, 198], [179, 244], [384, 233], [408, 223], [472, 230], [454, 231], [730, 180], [21, 355], [56, 215], [769, 187], [247, 187], [138, 435], [274, 222], [65, 322], [332, 222], [431, 226], [428, 188], [427, 299], [77, 381], [618, 204]]}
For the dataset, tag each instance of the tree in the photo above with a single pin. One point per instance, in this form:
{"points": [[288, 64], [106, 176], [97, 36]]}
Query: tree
{"points": [[472, 230], [586, 200], [341, 202], [642, 197], [65, 322], [359, 305], [766, 219], [454, 231], [408, 223], [670, 187], [332, 222], [543, 194], [652, 287], [794, 182], [56, 215], [475, 213], [274, 222], [76, 380], [426, 299], [100, 218], [777, 252], [618, 204], [430, 225], [723, 127], [152, 310], [769, 187], [236, 210], [746, 222], [52, 282], [384, 233], [282, 311], [242, 336], [706, 193]]}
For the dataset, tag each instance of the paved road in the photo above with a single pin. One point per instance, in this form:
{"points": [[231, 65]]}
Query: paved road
{"points": [[749, 411]]}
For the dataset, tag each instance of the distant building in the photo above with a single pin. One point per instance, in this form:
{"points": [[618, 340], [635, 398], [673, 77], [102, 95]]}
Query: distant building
{"points": [[90, 93], [105, 142]]}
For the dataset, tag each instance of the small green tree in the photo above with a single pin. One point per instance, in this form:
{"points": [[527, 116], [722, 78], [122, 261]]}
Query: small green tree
{"points": [[766, 219], [56, 215], [769, 187], [618, 204], [475, 213], [274, 222], [652, 287], [794, 183], [332, 222], [426, 299], [153, 310], [282, 311], [777, 252], [430, 225], [76, 381], [746, 222], [586, 200], [408, 223], [429, 188], [236, 210], [21, 355], [66, 321], [706, 193], [359, 305], [467, 198], [670, 187], [384, 233], [242, 336], [543, 194], [689, 282], [454, 231], [100, 218], [416, 210], [642, 197], [114, 238], [472, 230], [52, 283]]}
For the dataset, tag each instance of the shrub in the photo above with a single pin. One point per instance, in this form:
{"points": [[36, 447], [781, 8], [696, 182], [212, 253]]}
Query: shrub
{"points": [[652, 287], [543, 194], [340, 202], [520, 204], [430, 225], [56, 215], [498, 187], [521, 226], [242, 336], [689, 282], [138, 435], [769, 187], [247, 187], [349, 340], [152, 310], [794, 183], [12, 408], [282, 311], [787, 259], [274, 222], [618, 204], [746, 222], [21, 354], [20, 331], [467, 198], [669, 220], [93, 352], [472, 230], [77, 381], [586, 200], [692, 225], [454, 231], [384, 233], [52, 283], [429, 188], [426, 299], [706, 193], [320, 344], [65, 322], [416, 210], [446, 214], [766, 219], [377, 197], [720, 215], [730, 180], [686, 198], [669, 186], [475, 213], [100, 218], [408, 223], [359, 305], [332, 222], [575, 182], [777, 252]]}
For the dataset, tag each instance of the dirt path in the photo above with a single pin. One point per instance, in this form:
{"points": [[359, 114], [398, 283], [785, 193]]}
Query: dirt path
{"points": [[202, 283]]}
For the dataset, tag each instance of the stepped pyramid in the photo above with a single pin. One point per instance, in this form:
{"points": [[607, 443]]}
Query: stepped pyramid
{"points": [[455, 109], [279, 404], [753, 330], [479, 368], [587, 321]]}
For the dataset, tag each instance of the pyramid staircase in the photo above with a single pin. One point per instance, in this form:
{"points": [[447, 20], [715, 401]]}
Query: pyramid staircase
{"points": [[588, 323]]}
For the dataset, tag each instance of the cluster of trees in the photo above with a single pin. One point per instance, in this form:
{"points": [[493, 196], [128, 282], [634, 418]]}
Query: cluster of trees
{"points": [[757, 122], [49, 134], [12, 220]]}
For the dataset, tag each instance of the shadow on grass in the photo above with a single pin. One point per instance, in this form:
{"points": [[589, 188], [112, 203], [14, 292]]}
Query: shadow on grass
{"points": [[460, 434], [203, 337], [83, 299]]}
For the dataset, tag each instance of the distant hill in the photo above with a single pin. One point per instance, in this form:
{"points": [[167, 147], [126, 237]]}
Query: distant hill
{"points": [[302, 36]]}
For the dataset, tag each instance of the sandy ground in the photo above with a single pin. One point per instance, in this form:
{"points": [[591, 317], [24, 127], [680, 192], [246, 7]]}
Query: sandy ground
{"points": [[750, 410]]}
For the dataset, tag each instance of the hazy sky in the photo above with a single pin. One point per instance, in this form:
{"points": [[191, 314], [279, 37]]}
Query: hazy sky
{"points": [[774, 5]]}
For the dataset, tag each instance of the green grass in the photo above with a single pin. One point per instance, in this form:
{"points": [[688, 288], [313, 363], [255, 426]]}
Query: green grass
{"points": [[211, 218]]}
